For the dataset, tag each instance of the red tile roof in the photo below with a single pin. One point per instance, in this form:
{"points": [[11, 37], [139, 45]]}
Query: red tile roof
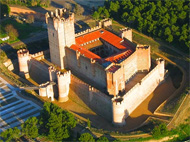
{"points": [[105, 35], [113, 68], [84, 51], [117, 57], [108, 37]]}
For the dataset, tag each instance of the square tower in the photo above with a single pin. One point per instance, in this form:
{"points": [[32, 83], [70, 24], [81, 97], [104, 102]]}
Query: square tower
{"points": [[61, 33]]}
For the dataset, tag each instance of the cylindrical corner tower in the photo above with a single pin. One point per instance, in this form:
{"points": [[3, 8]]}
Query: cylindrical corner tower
{"points": [[118, 112], [23, 58], [64, 80], [42, 91]]}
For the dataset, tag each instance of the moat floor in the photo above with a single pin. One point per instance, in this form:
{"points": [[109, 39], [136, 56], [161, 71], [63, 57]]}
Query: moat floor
{"points": [[141, 113]]}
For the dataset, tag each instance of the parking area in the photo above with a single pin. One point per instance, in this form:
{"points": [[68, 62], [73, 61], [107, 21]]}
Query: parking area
{"points": [[14, 110]]}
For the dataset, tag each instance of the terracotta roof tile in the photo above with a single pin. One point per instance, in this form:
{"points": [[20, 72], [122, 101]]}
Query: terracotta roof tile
{"points": [[84, 51]]}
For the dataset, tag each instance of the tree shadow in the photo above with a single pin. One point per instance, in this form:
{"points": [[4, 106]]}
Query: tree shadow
{"points": [[81, 26]]}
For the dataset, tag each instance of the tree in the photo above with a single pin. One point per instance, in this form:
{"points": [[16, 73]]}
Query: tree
{"points": [[86, 137], [11, 31], [88, 123], [30, 128], [102, 139], [4, 10], [30, 19], [106, 14], [160, 130], [11, 134], [95, 15], [55, 122]]}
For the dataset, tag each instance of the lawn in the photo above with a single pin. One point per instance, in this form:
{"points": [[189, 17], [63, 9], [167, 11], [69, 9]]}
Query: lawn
{"points": [[24, 29]]}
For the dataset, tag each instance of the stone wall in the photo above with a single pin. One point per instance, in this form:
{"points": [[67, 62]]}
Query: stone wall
{"points": [[85, 68], [88, 31], [96, 100], [143, 89], [38, 71], [135, 96]]}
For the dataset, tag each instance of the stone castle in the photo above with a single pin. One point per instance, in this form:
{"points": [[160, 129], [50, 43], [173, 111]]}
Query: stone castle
{"points": [[114, 74]]}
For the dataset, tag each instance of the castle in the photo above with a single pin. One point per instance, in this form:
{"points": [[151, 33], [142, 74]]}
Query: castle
{"points": [[105, 64]]}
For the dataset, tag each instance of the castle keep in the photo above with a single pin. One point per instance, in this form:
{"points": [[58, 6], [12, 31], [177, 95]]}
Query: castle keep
{"points": [[114, 73]]}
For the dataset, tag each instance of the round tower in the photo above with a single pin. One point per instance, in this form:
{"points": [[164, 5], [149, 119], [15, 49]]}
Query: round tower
{"points": [[23, 58], [64, 80], [42, 90], [118, 112]]}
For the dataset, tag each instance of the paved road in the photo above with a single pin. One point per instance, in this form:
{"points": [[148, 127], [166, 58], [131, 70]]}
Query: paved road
{"points": [[37, 37]]}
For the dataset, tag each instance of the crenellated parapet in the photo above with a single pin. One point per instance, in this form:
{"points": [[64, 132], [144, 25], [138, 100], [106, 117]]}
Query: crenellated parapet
{"points": [[23, 59], [119, 112], [46, 90], [38, 55], [126, 33], [105, 23], [64, 80], [87, 31], [58, 17]]}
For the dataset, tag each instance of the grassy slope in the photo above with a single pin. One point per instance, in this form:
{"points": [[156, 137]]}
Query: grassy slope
{"points": [[24, 29]]}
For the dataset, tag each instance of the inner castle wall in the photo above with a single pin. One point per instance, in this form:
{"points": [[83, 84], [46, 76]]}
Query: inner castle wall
{"points": [[85, 67]]}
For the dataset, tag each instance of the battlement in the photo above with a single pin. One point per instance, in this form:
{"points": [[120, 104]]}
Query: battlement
{"points": [[126, 33], [117, 101], [52, 69], [159, 61], [63, 74], [105, 22], [23, 53], [144, 47], [125, 29], [38, 56], [87, 31], [59, 14]]}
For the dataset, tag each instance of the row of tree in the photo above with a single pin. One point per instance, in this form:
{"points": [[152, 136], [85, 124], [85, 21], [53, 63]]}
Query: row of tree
{"points": [[167, 20], [41, 3], [54, 123]]}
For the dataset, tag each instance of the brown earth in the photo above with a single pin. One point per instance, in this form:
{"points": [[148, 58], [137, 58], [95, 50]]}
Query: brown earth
{"points": [[141, 113]]}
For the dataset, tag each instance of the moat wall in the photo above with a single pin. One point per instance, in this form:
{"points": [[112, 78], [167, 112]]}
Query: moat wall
{"points": [[96, 100], [142, 90]]}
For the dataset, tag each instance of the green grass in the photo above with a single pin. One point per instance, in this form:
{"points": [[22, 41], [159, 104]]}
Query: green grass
{"points": [[173, 105], [24, 29]]}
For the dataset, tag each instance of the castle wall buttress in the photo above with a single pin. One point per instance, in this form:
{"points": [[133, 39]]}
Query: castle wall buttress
{"points": [[143, 57]]}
